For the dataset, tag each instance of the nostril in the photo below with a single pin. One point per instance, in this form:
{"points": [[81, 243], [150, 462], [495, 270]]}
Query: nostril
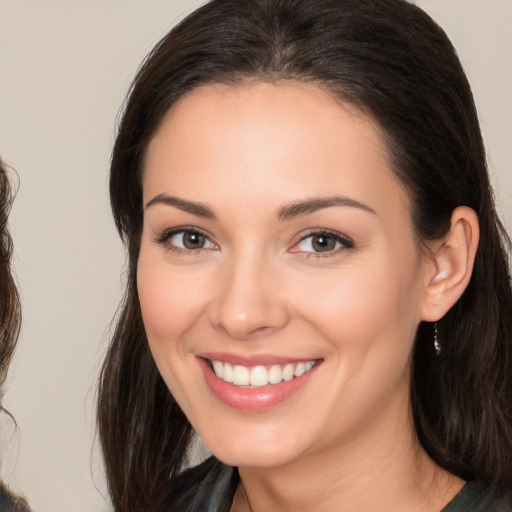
{"points": [[245, 305], [263, 331], [242, 331]]}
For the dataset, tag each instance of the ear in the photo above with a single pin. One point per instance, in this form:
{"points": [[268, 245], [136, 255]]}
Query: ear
{"points": [[449, 272]]}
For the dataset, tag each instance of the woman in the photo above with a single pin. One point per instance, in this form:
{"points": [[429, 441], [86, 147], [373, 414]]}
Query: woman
{"points": [[10, 318], [318, 283]]}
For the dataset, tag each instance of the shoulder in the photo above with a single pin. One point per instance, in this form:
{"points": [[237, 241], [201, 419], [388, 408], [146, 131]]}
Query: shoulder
{"points": [[475, 497], [210, 486], [10, 502]]}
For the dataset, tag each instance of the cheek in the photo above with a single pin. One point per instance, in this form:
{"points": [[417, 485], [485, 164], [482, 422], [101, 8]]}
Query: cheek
{"points": [[357, 307], [170, 301]]}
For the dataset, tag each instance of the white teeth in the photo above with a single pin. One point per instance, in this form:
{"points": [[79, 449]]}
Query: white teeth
{"points": [[240, 376], [217, 368], [259, 376], [288, 372], [227, 373], [300, 369], [275, 375]]}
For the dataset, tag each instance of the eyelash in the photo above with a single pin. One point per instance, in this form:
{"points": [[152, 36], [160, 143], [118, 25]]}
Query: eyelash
{"points": [[165, 237], [344, 241]]}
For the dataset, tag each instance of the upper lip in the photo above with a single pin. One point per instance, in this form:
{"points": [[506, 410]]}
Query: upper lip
{"points": [[254, 359]]}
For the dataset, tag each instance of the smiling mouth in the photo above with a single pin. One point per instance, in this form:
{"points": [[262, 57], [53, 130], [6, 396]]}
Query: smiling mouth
{"points": [[259, 376]]}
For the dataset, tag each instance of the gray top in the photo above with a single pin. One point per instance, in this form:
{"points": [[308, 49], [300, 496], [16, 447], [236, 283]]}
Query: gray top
{"points": [[474, 497], [218, 482]]}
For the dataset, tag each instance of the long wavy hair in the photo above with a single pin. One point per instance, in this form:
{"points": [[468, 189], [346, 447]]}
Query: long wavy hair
{"points": [[10, 309], [391, 61]]}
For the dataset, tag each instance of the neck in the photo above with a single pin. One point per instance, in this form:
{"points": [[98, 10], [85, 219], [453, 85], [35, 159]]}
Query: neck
{"points": [[379, 468]]}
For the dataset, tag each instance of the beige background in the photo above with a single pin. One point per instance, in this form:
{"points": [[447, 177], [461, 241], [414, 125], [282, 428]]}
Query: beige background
{"points": [[64, 69]]}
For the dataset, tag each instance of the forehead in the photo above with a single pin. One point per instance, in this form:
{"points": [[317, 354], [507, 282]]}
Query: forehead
{"points": [[291, 138]]}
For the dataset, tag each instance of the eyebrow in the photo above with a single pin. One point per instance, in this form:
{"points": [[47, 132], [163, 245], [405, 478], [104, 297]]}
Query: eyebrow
{"points": [[301, 208], [199, 209], [289, 211]]}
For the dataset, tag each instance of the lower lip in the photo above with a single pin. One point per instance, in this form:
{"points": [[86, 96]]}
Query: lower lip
{"points": [[252, 399]]}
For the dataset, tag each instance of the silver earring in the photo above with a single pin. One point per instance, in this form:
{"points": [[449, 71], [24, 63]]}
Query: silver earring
{"points": [[437, 346]]}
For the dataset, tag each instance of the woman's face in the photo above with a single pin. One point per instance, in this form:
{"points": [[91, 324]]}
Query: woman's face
{"points": [[278, 253]]}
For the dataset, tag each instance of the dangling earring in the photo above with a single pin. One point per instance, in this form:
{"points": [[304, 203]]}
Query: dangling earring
{"points": [[437, 346]]}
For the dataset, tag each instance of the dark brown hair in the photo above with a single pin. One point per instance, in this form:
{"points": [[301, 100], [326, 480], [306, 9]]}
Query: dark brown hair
{"points": [[392, 62], [10, 309]]}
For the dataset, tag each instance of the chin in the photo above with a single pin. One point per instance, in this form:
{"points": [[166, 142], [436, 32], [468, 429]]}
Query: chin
{"points": [[253, 458], [255, 450]]}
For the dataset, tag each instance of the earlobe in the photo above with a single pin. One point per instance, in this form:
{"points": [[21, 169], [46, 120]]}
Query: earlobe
{"points": [[453, 259]]}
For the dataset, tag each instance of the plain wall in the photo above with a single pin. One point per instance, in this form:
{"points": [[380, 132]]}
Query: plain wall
{"points": [[65, 67]]}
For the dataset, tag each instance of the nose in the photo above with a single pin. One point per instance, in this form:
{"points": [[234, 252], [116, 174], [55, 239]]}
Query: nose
{"points": [[249, 300]]}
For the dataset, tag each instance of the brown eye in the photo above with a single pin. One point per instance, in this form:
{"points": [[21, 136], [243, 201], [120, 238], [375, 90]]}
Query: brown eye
{"points": [[187, 240], [191, 240], [323, 242]]}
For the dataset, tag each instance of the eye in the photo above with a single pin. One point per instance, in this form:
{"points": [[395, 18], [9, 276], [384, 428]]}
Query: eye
{"points": [[185, 240], [322, 242]]}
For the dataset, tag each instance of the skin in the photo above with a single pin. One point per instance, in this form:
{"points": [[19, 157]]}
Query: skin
{"points": [[246, 153]]}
